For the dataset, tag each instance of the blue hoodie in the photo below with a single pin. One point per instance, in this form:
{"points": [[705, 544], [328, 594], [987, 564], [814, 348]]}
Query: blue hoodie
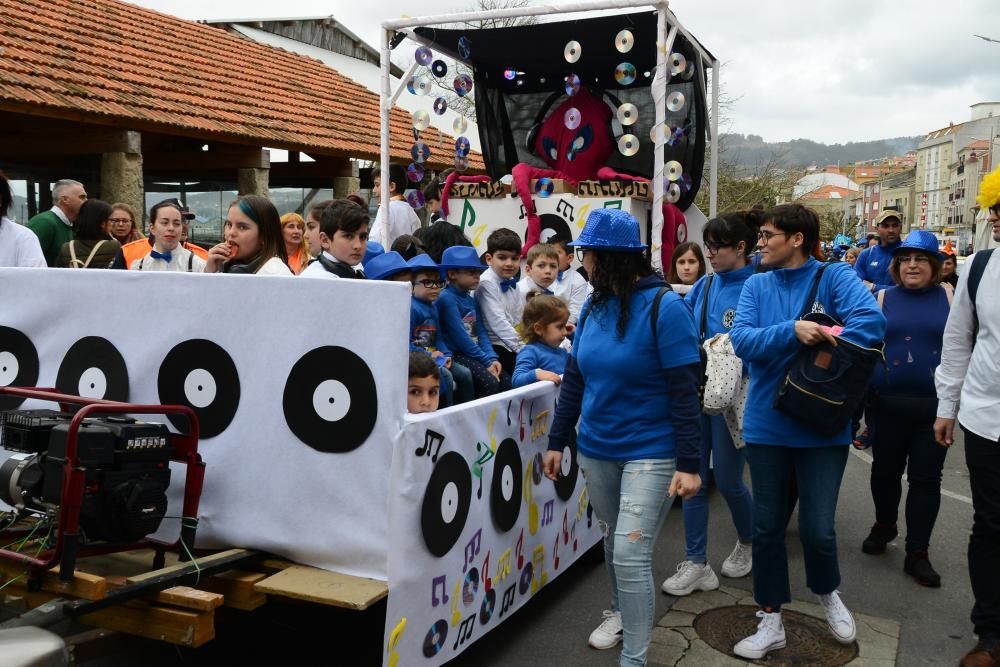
{"points": [[462, 329], [722, 299], [873, 265], [764, 338], [425, 331]]}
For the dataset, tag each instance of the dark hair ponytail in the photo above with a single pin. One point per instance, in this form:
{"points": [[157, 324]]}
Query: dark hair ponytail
{"points": [[728, 229]]}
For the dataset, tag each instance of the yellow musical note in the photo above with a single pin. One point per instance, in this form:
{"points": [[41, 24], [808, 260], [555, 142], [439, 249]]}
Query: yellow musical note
{"points": [[581, 218], [394, 637], [489, 429], [477, 238], [539, 576], [528, 498], [456, 616], [582, 504]]}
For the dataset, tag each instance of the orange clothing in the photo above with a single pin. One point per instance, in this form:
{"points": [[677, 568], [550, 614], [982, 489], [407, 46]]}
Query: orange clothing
{"points": [[295, 262], [139, 249]]}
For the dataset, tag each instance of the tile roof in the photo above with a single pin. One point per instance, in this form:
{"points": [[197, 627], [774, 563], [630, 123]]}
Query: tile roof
{"points": [[110, 62]]}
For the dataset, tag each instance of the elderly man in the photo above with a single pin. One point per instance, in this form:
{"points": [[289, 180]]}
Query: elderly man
{"points": [[873, 262], [55, 226]]}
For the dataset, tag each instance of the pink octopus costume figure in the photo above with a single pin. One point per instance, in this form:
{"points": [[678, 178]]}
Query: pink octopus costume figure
{"points": [[574, 155]]}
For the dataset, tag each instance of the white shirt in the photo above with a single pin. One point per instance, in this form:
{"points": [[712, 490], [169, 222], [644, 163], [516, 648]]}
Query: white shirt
{"points": [[501, 311], [402, 220], [62, 216], [969, 375], [573, 289], [19, 246], [274, 267], [179, 258], [317, 270]]}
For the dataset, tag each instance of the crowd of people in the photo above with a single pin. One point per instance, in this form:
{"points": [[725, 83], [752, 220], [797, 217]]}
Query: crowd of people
{"points": [[627, 350]]}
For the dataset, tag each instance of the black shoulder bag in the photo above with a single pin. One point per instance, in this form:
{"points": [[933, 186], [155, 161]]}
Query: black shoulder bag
{"points": [[825, 384]]}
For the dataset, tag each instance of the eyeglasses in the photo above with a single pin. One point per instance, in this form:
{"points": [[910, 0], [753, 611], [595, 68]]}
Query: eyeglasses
{"points": [[429, 283], [914, 259], [713, 248], [580, 252], [766, 236]]}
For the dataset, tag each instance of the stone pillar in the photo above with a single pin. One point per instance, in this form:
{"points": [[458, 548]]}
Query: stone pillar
{"points": [[121, 178], [253, 181], [345, 185]]}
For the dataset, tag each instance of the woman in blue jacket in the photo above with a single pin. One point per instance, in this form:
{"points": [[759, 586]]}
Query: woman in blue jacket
{"points": [[729, 240], [767, 335], [632, 382]]}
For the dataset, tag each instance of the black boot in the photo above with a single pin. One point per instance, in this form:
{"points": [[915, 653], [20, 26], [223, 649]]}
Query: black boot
{"points": [[878, 538], [919, 567]]}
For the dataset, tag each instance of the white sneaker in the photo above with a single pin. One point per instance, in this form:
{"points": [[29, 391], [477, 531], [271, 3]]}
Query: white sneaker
{"points": [[609, 633], [838, 617], [770, 636], [691, 577], [739, 563]]}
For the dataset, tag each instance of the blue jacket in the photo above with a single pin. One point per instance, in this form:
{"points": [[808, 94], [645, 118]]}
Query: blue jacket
{"points": [[873, 265], [764, 338], [462, 329], [635, 397], [537, 355], [425, 329], [722, 299]]}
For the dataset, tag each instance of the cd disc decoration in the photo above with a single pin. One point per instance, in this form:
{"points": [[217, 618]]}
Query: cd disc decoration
{"points": [[423, 56], [572, 51], [460, 125], [464, 48], [416, 199], [462, 84], [675, 101], [674, 170], [544, 187], [677, 64], [440, 106], [420, 152], [439, 68], [421, 120], [415, 172], [673, 193], [625, 74], [624, 41], [572, 82], [628, 145], [461, 163], [462, 147], [572, 118], [419, 85], [628, 114], [510, 74]]}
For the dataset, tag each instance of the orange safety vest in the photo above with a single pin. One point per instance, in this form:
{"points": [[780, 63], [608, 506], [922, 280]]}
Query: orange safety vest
{"points": [[139, 249]]}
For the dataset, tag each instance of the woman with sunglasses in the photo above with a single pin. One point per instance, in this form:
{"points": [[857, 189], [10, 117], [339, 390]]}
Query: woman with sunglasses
{"points": [[916, 311], [767, 336], [729, 240]]}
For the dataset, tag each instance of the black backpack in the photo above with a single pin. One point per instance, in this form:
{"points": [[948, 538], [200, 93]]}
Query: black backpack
{"points": [[976, 271]]}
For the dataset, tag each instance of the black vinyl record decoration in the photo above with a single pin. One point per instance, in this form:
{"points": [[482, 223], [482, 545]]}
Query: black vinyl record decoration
{"points": [[201, 375], [565, 482], [93, 368], [554, 228], [18, 365], [330, 401], [446, 503], [505, 491]]}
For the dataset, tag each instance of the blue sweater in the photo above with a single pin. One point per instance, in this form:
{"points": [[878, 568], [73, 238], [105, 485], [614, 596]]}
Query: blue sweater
{"points": [[537, 355], [873, 265], [425, 330], [462, 329], [635, 397], [722, 299], [913, 337], [764, 338]]}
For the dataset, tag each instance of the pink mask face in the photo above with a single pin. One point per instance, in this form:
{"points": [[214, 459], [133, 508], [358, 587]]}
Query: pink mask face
{"points": [[579, 152]]}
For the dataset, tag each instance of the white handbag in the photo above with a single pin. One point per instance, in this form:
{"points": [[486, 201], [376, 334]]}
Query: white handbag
{"points": [[723, 375]]}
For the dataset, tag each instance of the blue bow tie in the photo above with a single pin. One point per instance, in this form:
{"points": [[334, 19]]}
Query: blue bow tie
{"points": [[548, 291], [165, 256], [506, 285], [559, 276]]}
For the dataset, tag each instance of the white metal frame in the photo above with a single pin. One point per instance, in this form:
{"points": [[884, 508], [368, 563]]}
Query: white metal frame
{"points": [[664, 44]]}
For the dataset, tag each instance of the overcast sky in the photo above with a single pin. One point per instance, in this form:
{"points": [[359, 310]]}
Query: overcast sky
{"points": [[828, 70]]}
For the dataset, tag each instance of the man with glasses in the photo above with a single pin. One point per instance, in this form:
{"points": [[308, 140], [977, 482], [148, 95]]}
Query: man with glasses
{"points": [[873, 263]]}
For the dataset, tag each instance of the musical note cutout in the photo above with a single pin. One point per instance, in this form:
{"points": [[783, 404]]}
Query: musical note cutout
{"points": [[465, 632], [582, 503], [519, 547], [539, 576], [565, 526], [503, 566], [547, 512], [435, 601], [472, 548], [528, 493], [487, 582], [540, 425], [508, 412], [468, 215], [394, 638], [582, 216], [485, 454], [572, 535], [590, 515], [431, 438], [564, 205], [520, 420], [555, 553], [508, 599], [523, 213], [489, 429], [456, 615]]}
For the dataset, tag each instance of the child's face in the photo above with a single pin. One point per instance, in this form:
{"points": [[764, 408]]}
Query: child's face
{"points": [[464, 279], [688, 267], [347, 247], [565, 258], [427, 286], [312, 235], [422, 394], [504, 262], [242, 234], [544, 270], [553, 333]]}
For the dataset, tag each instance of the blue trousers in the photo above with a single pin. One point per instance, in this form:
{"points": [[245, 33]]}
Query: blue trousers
{"points": [[728, 463], [818, 472], [630, 501]]}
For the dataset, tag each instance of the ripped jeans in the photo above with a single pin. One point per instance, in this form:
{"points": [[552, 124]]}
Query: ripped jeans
{"points": [[630, 502]]}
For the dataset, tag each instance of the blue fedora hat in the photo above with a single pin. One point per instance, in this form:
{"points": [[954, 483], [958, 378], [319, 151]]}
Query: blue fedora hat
{"points": [[920, 239], [423, 262], [386, 266], [610, 229], [374, 250], [461, 257]]}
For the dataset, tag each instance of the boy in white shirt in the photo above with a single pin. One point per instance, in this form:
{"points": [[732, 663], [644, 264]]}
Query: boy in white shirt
{"points": [[501, 303], [542, 268], [402, 218], [570, 285]]}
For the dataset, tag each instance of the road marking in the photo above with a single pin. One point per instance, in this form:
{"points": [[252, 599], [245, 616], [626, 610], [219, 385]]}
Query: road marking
{"points": [[867, 458]]}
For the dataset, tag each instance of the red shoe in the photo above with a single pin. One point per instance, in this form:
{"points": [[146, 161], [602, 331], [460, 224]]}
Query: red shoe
{"points": [[861, 440]]}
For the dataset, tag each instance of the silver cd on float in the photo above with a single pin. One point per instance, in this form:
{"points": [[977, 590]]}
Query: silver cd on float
{"points": [[421, 120], [419, 85], [572, 118], [624, 41], [440, 106], [673, 193], [677, 63], [460, 125], [628, 145], [674, 170], [688, 71], [573, 51], [675, 101], [628, 114]]}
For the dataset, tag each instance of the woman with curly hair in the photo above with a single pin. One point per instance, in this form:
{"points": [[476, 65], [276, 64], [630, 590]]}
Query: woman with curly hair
{"points": [[293, 233], [632, 382]]}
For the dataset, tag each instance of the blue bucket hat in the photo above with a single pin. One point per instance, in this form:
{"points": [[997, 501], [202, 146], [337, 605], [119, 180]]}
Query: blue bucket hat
{"points": [[920, 239], [461, 257], [610, 229], [386, 266], [374, 250], [423, 262]]}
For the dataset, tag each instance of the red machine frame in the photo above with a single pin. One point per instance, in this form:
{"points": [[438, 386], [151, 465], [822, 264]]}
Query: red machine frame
{"points": [[185, 450]]}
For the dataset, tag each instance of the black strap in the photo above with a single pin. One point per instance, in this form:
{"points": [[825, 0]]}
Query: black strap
{"points": [[190, 261], [811, 298], [976, 271], [654, 312], [704, 308]]}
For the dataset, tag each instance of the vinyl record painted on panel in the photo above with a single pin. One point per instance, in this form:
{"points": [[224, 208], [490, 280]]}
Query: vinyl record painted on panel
{"points": [[18, 365], [554, 228], [505, 491], [446, 503], [93, 368], [569, 469], [330, 402], [201, 375]]}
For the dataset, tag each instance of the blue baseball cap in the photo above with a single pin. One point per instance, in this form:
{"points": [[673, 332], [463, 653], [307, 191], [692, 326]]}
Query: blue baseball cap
{"points": [[610, 229], [386, 266], [461, 257], [374, 250], [920, 239]]}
